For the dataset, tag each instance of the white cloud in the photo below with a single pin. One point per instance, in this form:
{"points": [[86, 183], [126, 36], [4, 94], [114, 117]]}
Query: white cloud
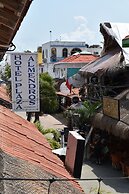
{"points": [[80, 19], [81, 33]]}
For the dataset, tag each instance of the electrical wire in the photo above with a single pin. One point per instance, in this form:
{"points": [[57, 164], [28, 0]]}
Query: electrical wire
{"points": [[51, 180], [62, 179]]}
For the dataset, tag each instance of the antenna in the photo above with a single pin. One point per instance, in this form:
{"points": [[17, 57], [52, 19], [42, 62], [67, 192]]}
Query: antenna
{"points": [[50, 35]]}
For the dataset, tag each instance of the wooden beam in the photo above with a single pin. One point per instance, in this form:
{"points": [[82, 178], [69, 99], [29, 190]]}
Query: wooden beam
{"points": [[5, 34], [9, 15], [8, 23], [4, 38], [2, 43], [12, 4], [5, 29]]}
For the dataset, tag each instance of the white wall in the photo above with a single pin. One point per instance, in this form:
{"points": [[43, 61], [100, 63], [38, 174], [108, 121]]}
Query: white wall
{"points": [[61, 70], [49, 68], [59, 45]]}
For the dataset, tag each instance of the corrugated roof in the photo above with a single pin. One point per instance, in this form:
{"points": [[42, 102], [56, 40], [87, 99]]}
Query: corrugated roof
{"points": [[79, 58], [20, 138]]}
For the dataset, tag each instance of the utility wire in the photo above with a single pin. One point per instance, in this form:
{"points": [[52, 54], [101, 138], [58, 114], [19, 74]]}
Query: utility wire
{"points": [[51, 180], [62, 179]]}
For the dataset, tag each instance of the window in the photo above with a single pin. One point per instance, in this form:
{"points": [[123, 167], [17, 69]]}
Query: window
{"points": [[65, 52], [96, 53], [53, 55], [75, 50], [43, 54], [41, 69], [62, 73]]}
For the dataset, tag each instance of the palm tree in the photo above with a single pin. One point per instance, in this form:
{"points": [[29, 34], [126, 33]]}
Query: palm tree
{"points": [[86, 113]]}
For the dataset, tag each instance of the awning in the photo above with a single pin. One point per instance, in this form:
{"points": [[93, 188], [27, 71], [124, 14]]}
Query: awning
{"points": [[115, 55], [118, 31], [11, 16], [107, 62], [76, 80]]}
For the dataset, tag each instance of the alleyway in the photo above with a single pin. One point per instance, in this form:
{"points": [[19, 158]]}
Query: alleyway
{"points": [[117, 185], [57, 121], [113, 183]]}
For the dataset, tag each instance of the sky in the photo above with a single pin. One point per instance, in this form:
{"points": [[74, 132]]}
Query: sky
{"points": [[69, 20]]}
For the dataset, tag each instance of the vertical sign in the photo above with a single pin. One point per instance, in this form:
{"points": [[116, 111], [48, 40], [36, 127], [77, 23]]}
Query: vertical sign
{"points": [[25, 82]]}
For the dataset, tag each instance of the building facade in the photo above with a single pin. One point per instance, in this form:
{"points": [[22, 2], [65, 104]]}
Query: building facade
{"points": [[54, 51], [71, 65]]}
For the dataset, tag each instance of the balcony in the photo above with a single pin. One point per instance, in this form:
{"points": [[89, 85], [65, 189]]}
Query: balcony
{"points": [[56, 59]]}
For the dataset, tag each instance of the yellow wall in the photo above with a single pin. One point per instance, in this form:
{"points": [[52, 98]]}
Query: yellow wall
{"points": [[40, 59]]}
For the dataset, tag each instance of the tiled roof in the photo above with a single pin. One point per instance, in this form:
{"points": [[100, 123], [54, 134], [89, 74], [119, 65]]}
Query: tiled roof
{"points": [[21, 139], [11, 167], [79, 58]]}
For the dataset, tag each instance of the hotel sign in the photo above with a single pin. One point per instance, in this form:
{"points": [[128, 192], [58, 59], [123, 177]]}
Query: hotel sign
{"points": [[111, 107], [25, 82]]}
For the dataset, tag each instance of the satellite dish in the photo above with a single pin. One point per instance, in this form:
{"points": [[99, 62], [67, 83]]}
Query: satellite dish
{"points": [[64, 89]]}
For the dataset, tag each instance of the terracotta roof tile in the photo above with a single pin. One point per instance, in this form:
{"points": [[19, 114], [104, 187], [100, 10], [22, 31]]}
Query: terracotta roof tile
{"points": [[79, 58], [20, 138]]}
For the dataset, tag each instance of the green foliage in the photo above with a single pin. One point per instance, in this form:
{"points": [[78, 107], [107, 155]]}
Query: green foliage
{"points": [[5, 76], [48, 97], [7, 73], [54, 143], [55, 132], [39, 126], [87, 113], [91, 108], [46, 77], [9, 89]]}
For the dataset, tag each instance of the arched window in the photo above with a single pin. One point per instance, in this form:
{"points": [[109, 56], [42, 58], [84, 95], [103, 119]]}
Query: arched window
{"points": [[53, 55], [43, 54], [75, 50], [64, 52]]}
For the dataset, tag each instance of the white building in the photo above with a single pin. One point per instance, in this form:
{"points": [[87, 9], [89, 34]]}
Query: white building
{"points": [[54, 51], [71, 65]]}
